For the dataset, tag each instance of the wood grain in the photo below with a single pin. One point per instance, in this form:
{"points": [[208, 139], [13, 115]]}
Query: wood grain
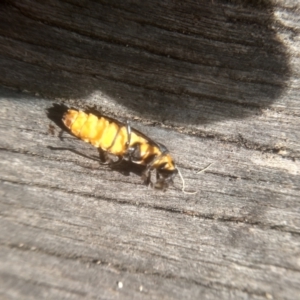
{"points": [[216, 82]]}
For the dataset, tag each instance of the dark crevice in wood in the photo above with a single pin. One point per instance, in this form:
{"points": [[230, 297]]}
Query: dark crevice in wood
{"points": [[245, 179], [128, 269], [46, 229], [132, 168], [43, 284], [106, 167], [238, 141], [189, 213], [261, 265]]}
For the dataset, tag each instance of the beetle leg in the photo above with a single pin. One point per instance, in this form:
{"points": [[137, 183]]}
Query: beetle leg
{"points": [[116, 163], [106, 158], [163, 178], [146, 177], [60, 135], [147, 174], [161, 184]]}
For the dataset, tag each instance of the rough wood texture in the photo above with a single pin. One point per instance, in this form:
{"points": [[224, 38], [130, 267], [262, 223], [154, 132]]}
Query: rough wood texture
{"points": [[217, 82]]}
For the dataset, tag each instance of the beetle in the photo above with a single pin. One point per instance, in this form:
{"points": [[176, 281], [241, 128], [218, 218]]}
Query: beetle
{"points": [[124, 142]]}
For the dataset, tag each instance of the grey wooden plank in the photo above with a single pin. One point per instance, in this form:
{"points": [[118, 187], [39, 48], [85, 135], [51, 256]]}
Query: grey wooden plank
{"points": [[138, 246], [217, 82], [228, 238]]}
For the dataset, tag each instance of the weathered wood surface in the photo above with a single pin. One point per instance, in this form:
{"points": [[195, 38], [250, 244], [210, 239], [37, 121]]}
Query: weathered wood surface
{"points": [[217, 82]]}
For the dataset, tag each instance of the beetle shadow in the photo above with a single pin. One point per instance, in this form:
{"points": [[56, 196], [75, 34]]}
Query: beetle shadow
{"points": [[124, 167]]}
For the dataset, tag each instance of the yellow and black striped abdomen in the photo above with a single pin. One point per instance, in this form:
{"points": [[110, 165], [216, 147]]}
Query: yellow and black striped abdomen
{"points": [[100, 132], [111, 136]]}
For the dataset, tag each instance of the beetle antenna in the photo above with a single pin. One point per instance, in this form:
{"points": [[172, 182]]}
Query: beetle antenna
{"points": [[201, 171], [183, 184]]}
